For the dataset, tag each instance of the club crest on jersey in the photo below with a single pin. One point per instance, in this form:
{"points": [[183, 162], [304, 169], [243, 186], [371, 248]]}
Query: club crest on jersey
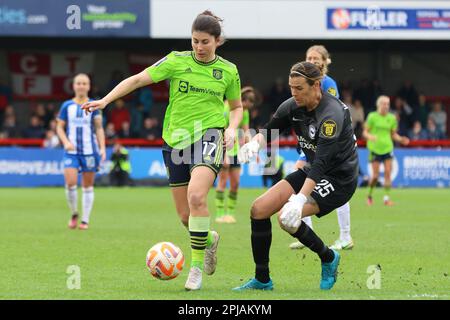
{"points": [[218, 74], [329, 128], [332, 91], [312, 131]]}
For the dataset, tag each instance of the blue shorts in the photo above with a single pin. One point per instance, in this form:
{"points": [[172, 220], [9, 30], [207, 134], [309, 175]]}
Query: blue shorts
{"points": [[84, 163]]}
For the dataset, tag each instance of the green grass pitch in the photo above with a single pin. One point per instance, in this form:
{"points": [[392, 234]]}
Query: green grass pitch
{"points": [[410, 242]]}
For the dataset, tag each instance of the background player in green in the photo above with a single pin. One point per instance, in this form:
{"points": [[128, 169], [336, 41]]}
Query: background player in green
{"points": [[380, 130], [231, 168], [193, 130]]}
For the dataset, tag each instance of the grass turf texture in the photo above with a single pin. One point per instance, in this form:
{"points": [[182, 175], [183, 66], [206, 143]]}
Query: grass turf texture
{"points": [[409, 241]]}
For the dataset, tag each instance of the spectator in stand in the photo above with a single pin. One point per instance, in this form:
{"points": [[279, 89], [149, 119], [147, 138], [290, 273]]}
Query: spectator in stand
{"points": [[110, 132], [137, 120], [439, 116], [41, 113], [145, 98], [409, 93], [125, 132], [433, 132], [50, 114], [417, 132], [34, 130], [95, 92], [256, 121], [404, 115], [51, 140], [376, 91], [278, 94], [52, 125], [119, 114], [152, 130], [9, 127], [423, 110], [9, 111], [116, 77], [358, 117], [364, 93], [5, 99]]}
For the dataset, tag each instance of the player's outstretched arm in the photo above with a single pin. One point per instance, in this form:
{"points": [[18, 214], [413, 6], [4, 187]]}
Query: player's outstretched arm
{"points": [[122, 89]]}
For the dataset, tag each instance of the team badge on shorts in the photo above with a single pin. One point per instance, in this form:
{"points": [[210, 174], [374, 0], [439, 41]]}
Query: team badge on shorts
{"points": [[329, 128], [217, 73]]}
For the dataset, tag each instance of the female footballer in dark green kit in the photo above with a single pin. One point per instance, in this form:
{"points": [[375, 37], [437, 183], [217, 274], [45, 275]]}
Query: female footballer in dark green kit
{"points": [[193, 131]]}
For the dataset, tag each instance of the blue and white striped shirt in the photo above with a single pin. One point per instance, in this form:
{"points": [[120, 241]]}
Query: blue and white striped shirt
{"points": [[79, 128]]}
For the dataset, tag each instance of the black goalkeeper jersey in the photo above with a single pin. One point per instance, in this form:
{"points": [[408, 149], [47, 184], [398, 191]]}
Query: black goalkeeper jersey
{"points": [[325, 135]]}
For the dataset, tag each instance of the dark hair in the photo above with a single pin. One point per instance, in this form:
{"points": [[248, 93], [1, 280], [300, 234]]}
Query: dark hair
{"points": [[209, 23], [246, 92], [307, 70]]}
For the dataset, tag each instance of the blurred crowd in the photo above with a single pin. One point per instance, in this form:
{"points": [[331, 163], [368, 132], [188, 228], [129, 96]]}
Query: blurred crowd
{"points": [[418, 118]]}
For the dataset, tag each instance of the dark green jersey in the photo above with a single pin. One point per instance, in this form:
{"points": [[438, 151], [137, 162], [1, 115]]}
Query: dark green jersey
{"points": [[196, 97], [381, 127]]}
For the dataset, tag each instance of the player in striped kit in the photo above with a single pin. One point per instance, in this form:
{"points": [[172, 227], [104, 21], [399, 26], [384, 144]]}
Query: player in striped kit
{"points": [[83, 139]]}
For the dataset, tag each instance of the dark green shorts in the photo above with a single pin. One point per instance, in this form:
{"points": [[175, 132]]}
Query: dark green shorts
{"points": [[380, 157], [208, 151]]}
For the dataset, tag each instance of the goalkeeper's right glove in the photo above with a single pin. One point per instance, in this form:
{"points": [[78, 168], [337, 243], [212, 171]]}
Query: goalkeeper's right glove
{"points": [[248, 151]]}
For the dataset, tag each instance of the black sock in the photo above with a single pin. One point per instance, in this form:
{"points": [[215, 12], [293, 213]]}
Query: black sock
{"points": [[307, 236], [261, 241]]}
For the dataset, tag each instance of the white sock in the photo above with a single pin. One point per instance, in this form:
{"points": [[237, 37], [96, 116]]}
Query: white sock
{"points": [[343, 214], [386, 197], [308, 221], [88, 202], [72, 198]]}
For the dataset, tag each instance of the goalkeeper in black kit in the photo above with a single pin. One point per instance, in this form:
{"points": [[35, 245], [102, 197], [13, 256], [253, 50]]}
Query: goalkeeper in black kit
{"points": [[323, 127]]}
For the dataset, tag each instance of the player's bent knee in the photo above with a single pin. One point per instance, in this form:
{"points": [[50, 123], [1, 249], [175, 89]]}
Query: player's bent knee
{"points": [[257, 210], [197, 200]]}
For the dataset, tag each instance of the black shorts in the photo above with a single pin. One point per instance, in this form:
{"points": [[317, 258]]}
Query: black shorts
{"points": [[380, 157], [329, 193], [208, 151]]}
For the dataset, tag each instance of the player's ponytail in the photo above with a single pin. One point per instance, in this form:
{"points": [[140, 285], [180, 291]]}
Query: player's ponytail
{"points": [[307, 70], [209, 23]]}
